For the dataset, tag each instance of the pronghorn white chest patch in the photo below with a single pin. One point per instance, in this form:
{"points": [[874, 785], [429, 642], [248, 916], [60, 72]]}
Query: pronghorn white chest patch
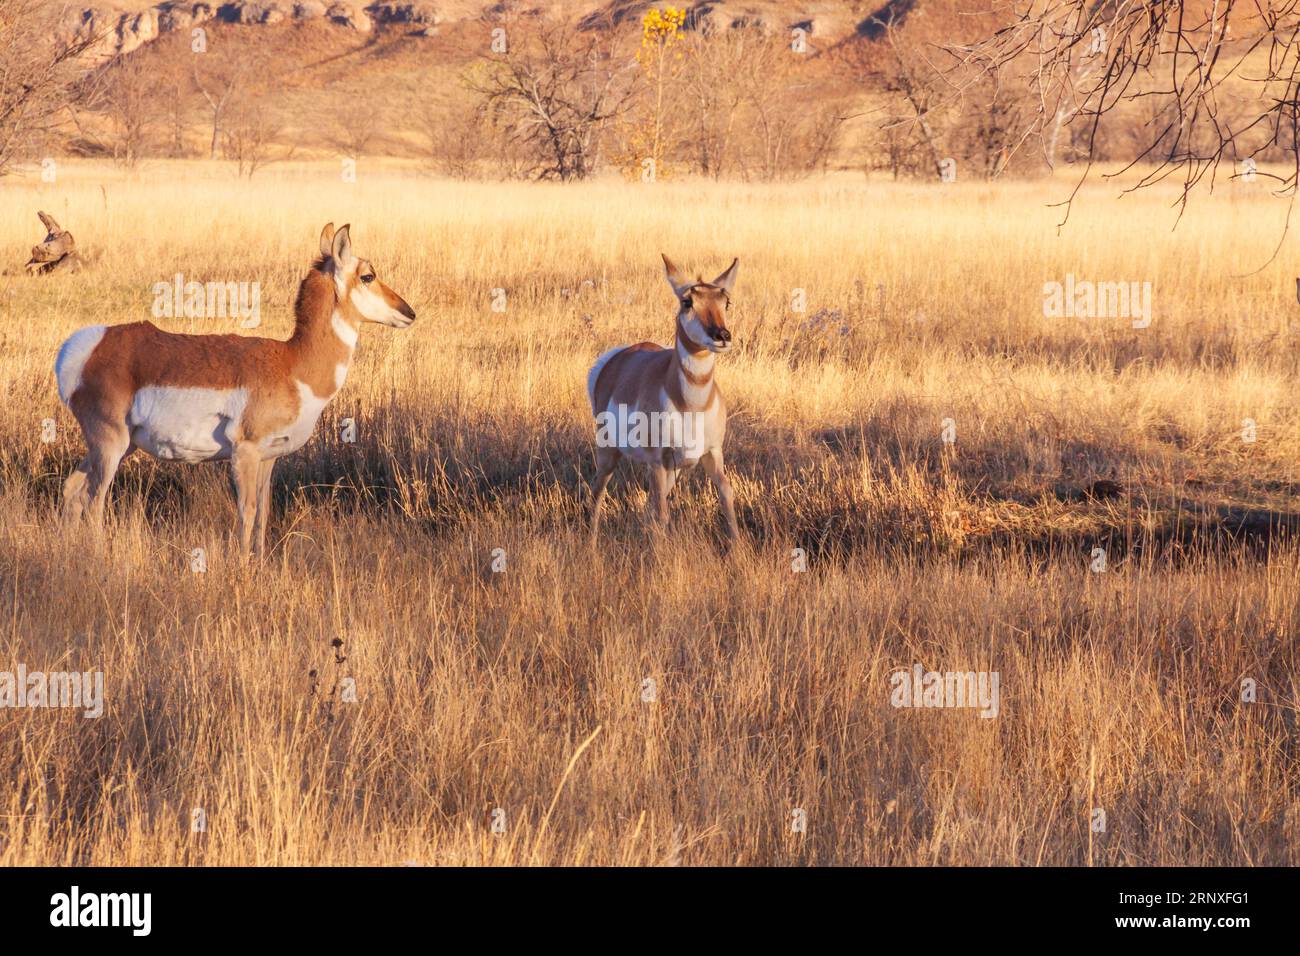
{"points": [[347, 333], [186, 424], [310, 406], [700, 367]]}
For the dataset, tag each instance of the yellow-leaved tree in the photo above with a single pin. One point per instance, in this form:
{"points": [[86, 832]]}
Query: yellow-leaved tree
{"points": [[650, 136]]}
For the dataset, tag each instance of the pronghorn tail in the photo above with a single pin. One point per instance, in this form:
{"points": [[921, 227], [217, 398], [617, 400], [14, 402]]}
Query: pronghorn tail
{"points": [[72, 359], [595, 374]]}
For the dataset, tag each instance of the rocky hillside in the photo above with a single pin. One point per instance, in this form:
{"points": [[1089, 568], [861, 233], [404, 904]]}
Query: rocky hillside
{"points": [[127, 25], [124, 29]]}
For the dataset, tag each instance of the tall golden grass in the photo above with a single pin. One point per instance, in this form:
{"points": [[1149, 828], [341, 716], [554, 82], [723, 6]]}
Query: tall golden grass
{"points": [[516, 696]]}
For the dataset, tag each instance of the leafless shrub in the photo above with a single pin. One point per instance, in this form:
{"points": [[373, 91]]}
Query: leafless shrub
{"points": [[755, 110], [456, 138], [355, 128], [914, 122], [252, 137], [39, 75], [553, 94], [792, 131], [178, 94], [715, 95], [219, 79], [129, 97], [1227, 76], [990, 120]]}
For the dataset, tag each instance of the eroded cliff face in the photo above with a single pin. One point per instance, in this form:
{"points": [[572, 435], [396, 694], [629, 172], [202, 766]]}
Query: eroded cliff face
{"points": [[127, 30], [126, 26]]}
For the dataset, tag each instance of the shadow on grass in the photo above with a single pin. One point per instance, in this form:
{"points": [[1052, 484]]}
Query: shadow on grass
{"points": [[454, 473]]}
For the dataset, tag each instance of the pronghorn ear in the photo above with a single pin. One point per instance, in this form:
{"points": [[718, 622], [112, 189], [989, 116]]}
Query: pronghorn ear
{"points": [[675, 278], [342, 248], [728, 278], [327, 240], [48, 221]]}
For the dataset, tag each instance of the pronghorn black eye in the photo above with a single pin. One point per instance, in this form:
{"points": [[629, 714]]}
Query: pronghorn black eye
{"points": [[687, 304], [368, 278]]}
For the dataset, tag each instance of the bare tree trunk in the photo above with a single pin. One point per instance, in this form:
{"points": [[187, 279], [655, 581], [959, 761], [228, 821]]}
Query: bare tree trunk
{"points": [[908, 86]]}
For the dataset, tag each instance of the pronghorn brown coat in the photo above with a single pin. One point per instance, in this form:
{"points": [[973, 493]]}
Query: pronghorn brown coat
{"points": [[216, 397], [649, 379]]}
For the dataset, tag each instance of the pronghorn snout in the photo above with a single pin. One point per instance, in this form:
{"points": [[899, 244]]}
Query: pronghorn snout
{"points": [[401, 315], [718, 335], [401, 306]]}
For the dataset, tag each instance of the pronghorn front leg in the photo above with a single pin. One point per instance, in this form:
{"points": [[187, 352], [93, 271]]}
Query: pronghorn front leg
{"points": [[245, 464], [712, 464], [264, 469], [657, 506]]}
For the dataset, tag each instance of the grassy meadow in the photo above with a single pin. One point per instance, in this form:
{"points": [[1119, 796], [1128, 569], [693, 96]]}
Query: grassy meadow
{"points": [[500, 714]]}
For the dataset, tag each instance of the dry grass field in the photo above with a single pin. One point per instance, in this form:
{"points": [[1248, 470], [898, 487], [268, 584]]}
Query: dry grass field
{"points": [[515, 697]]}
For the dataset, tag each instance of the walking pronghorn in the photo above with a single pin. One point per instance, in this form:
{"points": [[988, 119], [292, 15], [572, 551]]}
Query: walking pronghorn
{"points": [[669, 399], [199, 398]]}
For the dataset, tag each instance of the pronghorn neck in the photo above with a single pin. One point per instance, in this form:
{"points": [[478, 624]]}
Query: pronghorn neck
{"points": [[324, 336], [692, 366]]}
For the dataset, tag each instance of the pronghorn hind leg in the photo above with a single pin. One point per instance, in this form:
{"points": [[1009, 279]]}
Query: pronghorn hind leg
{"points": [[245, 465], [264, 470], [606, 460], [712, 464], [110, 445], [75, 494]]}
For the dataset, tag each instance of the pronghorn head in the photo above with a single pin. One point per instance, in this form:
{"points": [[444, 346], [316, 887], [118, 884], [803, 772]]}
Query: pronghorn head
{"points": [[58, 242], [361, 296], [702, 307]]}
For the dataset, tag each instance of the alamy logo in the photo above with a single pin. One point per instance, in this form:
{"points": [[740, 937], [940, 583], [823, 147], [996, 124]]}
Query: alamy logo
{"points": [[631, 428], [208, 300], [922, 688], [1085, 299], [54, 689], [103, 909]]}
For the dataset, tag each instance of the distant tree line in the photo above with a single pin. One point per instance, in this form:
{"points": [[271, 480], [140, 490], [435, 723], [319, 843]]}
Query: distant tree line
{"points": [[1048, 84]]}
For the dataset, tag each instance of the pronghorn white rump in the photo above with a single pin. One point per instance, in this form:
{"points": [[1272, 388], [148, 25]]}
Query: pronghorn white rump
{"points": [[72, 357], [196, 398], [595, 374], [675, 385]]}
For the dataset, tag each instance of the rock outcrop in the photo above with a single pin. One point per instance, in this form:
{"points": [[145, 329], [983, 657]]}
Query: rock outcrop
{"points": [[124, 32]]}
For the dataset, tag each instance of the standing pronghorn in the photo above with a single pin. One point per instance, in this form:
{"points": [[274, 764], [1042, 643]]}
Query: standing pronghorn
{"points": [[668, 398], [214, 397]]}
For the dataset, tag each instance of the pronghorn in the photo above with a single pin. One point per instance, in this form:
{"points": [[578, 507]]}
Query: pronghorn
{"points": [[199, 398], [669, 388]]}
